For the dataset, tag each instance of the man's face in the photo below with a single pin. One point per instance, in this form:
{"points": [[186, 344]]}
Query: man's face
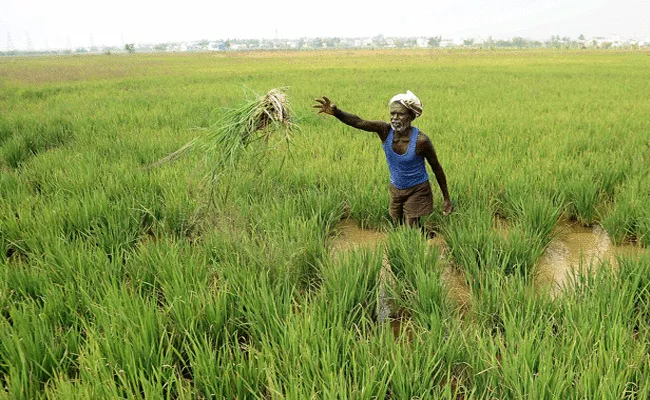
{"points": [[400, 117]]}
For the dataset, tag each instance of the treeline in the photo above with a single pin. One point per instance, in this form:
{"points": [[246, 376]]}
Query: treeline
{"points": [[556, 42]]}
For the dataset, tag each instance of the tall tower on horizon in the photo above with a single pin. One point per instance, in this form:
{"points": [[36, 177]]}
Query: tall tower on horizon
{"points": [[29, 41]]}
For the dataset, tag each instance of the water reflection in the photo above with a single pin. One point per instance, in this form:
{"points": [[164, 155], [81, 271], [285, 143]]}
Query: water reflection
{"points": [[576, 247]]}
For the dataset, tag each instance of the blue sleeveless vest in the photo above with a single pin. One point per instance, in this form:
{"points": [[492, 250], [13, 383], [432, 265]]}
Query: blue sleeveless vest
{"points": [[408, 169]]}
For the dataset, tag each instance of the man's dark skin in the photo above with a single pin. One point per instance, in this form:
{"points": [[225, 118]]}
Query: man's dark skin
{"points": [[400, 119]]}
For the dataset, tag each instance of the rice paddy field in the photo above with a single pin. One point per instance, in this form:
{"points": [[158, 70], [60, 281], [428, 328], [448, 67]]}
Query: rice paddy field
{"points": [[285, 278]]}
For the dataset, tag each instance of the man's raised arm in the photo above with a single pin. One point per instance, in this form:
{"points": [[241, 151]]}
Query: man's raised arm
{"points": [[325, 106]]}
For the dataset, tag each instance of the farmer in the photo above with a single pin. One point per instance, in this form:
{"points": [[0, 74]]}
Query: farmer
{"points": [[406, 148]]}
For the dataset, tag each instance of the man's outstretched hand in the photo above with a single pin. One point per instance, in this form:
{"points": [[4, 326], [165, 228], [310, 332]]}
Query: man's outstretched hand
{"points": [[325, 106]]}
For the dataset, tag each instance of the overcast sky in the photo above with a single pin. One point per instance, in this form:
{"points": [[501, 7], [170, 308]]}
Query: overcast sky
{"points": [[59, 24]]}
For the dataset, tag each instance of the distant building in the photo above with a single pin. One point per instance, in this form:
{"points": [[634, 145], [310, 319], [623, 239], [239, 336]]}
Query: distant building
{"points": [[422, 42], [447, 43]]}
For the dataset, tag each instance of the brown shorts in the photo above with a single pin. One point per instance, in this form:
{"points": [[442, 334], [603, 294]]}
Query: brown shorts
{"points": [[413, 202]]}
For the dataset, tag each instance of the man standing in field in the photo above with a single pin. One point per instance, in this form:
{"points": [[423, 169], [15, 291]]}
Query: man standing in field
{"points": [[406, 149]]}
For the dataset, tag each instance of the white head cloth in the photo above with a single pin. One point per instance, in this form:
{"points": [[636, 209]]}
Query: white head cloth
{"points": [[408, 100]]}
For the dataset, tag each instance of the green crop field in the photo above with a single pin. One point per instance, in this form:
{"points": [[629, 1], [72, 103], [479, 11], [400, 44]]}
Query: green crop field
{"points": [[123, 281]]}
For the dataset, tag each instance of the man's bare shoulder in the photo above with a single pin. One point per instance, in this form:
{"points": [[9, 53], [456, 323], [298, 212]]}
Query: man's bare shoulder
{"points": [[423, 140]]}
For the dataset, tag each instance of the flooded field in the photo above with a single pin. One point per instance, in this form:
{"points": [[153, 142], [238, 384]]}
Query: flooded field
{"points": [[351, 236], [121, 281], [577, 249]]}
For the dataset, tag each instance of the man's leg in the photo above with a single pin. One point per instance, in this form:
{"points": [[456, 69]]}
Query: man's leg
{"points": [[418, 204], [397, 217], [415, 222], [396, 206]]}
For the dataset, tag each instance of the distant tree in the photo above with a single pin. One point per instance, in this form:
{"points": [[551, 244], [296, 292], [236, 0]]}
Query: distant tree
{"points": [[129, 48], [468, 42], [160, 47], [581, 37], [606, 45], [519, 42], [435, 41], [410, 42], [554, 42], [489, 42], [332, 42]]}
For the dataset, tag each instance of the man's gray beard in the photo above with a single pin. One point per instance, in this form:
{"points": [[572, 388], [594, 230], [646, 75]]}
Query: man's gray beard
{"points": [[395, 128]]}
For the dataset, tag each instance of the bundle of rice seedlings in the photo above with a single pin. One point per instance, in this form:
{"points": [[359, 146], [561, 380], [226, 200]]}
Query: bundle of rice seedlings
{"points": [[226, 140]]}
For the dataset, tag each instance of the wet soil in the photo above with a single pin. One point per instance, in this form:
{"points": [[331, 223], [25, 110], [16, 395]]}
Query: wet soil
{"points": [[576, 247], [351, 236]]}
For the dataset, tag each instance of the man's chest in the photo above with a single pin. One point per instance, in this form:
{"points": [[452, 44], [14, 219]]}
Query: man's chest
{"points": [[400, 146]]}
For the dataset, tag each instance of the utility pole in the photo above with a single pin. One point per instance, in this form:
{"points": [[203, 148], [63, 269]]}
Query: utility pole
{"points": [[29, 41], [10, 43]]}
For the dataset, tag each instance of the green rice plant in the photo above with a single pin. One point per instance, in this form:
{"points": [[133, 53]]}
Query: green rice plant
{"points": [[643, 229], [230, 370], [152, 388], [531, 230], [24, 283], [128, 333], [6, 130], [538, 217], [634, 272], [348, 292], [293, 233], [582, 197], [418, 272], [428, 365], [357, 380], [306, 359], [600, 349], [35, 139], [228, 137], [260, 306], [471, 242], [619, 222], [623, 218], [610, 172], [185, 285], [33, 348], [522, 354], [519, 253]]}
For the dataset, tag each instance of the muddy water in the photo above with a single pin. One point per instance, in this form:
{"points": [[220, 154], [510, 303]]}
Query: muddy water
{"points": [[576, 247], [350, 236]]}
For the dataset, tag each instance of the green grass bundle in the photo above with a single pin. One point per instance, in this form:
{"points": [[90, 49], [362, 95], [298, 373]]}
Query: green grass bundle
{"points": [[226, 140]]}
